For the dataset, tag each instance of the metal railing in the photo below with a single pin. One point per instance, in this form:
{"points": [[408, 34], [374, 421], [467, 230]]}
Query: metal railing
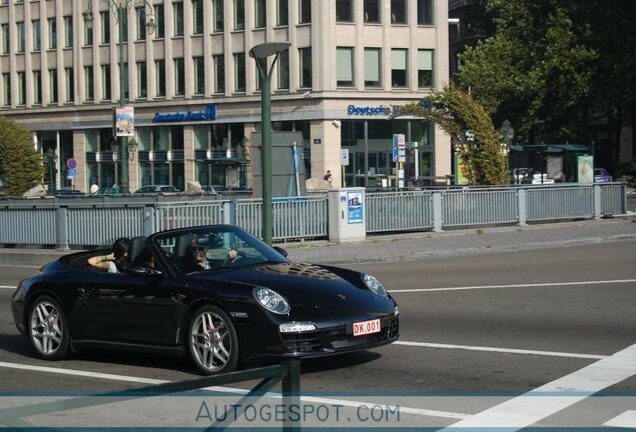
{"points": [[86, 222]]}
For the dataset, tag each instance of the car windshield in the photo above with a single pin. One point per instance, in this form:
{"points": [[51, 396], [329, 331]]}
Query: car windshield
{"points": [[213, 248]]}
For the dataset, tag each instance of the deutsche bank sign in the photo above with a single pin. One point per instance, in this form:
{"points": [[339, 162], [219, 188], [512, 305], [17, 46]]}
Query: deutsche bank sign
{"points": [[381, 110], [209, 113]]}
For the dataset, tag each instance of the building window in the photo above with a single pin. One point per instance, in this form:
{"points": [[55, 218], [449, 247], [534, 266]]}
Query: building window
{"points": [[178, 19], [88, 35], [305, 67], [140, 12], [37, 35], [160, 68], [239, 72], [6, 89], [197, 16], [219, 73], [305, 12], [372, 11], [160, 20], [283, 70], [239, 14], [179, 77], [53, 96], [52, 33], [219, 16], [283, 13], [425, 12], [372, 69], [424, 68], [199, 76], [260, 12], [106, 88], [89, 82], [21, 88], [344, 10], [70, 84], [68, 31], [398, 12], [105, 19], [6, 39], [142, 81], [37, 87], [344, 65], [20, 28], [398, 67]]}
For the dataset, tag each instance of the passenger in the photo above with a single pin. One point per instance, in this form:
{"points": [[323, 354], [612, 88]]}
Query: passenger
{"points": [[115, 262]]}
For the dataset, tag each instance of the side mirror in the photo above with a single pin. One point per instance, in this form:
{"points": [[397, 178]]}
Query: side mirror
{"points": [[281, 251], [140, 270]]}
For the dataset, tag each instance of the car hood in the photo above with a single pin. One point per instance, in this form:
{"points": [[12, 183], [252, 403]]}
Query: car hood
{"points": [[302, 284]]}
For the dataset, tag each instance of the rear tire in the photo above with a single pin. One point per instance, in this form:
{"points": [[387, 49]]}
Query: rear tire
{"points": [[211, 341], [48, 329]]}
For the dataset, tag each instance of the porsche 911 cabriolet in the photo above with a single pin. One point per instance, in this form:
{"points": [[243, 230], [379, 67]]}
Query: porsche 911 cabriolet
{"points": [[214, 293]]}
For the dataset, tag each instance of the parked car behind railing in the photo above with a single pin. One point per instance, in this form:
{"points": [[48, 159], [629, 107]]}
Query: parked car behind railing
{"points": [[602, 176]]}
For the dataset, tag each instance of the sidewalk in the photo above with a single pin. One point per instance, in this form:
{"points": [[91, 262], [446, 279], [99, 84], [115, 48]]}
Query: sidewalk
{"points": [[421, 245]]}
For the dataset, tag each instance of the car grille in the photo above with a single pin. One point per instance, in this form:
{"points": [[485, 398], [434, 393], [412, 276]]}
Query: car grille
{"points": [[339, 338]]}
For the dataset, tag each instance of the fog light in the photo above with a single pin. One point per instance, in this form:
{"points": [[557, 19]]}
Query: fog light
{"points": [[396, 311], [296, 327]]}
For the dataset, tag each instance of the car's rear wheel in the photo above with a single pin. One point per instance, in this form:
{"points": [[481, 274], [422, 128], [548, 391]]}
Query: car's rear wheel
{"points": [[212, 341], [48, 329]]}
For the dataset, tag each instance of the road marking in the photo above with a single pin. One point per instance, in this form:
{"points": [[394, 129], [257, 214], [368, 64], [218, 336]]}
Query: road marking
{"points": [[7, 287], [530, 408], [546, 284], [501, 350], [312, 399], [625, 420]]}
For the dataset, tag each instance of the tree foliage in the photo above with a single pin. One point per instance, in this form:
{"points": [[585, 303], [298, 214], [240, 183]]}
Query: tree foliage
{"points": [[20, 163], [471, 130], [536, 69]]}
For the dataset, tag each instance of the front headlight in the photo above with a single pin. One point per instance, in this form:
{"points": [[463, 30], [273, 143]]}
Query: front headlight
{"points": [[375, 285], [271, 300]]}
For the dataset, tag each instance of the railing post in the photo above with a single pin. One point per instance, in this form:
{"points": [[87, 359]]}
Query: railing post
{"points": [[522, 207], [61, 214], [150, 213], [598, 202], [438, 213], [229, 212], [291, 393]]}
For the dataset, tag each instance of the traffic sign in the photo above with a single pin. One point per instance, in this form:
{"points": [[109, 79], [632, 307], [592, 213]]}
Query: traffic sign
{"points": [[71, 163], [344, 157]]}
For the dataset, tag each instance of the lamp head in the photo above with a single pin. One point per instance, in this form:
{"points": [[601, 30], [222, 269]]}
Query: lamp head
{"points": [[151, 24]]}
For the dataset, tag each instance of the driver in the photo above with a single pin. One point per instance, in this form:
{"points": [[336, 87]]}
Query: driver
{"points": [[198, 256]]}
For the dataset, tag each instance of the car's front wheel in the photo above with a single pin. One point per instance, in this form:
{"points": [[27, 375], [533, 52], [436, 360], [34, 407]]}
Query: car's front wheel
{"points": [[212, 341], [48, 329]]}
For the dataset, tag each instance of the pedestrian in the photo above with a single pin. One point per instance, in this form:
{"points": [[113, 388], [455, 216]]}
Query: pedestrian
{"points": [[328, 177], [115, 262], [94, 188]]}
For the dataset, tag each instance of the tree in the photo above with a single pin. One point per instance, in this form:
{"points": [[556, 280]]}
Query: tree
{"points": [[471, 130], [20, 163], [560, 70]]}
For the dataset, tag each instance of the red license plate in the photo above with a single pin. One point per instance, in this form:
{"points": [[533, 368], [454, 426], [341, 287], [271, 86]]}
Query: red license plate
{"points": [[366, 327]]}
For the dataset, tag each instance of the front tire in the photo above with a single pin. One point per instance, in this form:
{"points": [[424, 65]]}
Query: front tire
{"points": [[212, 341], [48, 329]]}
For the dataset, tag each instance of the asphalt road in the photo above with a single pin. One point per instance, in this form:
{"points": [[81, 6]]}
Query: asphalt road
{"points": [[476, 332]]}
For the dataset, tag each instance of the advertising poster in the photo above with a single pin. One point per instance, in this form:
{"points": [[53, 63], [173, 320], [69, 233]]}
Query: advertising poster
{"points": [[585, 169], [460, 170], [354, 205], [125, 121]]}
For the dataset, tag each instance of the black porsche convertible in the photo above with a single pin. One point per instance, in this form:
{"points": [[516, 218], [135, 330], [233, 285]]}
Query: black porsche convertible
{"points": [[215, 293]]}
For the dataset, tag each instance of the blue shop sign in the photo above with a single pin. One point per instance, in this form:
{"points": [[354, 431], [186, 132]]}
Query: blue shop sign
{"points": [[209, 113], [382, 110]]}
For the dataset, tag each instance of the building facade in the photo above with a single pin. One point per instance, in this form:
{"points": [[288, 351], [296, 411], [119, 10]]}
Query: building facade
{"points": [[195, 90]]}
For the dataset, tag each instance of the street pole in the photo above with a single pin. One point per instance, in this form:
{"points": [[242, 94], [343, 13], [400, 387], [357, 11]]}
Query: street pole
{"points": [[123, 144], [260, 53]]}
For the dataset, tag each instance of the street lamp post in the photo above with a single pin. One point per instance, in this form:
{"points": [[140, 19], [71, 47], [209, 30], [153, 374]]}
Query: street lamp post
{"points": [[121, 9], [49, 159], [260, 53]]}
